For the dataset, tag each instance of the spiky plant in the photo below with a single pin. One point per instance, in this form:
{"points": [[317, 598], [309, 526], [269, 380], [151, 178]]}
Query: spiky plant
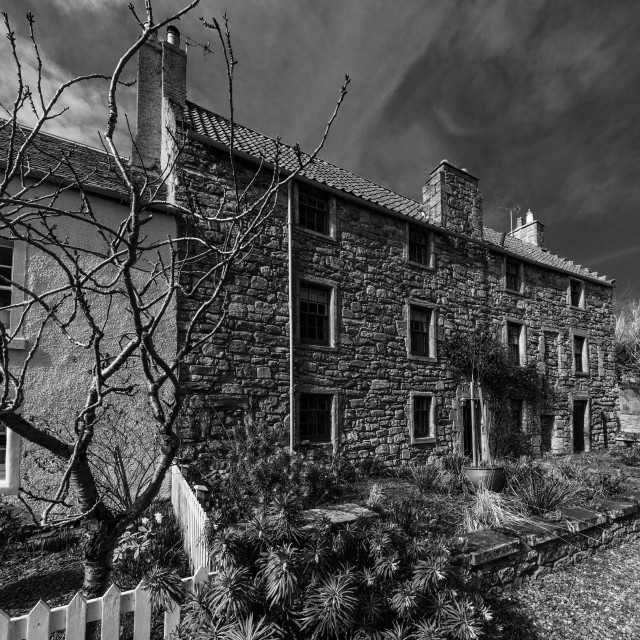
{"points": [[247, 629], [406, 599], [490, 510], [399, 631], [195, 613], [329, 611], [426, 630], [280, 572], [165, 588], [231, 593]]}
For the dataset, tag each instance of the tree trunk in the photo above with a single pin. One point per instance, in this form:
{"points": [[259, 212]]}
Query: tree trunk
{"points": [[98, 557], [485, 453]]}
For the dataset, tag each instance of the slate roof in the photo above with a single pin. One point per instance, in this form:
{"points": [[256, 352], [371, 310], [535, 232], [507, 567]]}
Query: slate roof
{"points": [[94, 167], [217, 128]]}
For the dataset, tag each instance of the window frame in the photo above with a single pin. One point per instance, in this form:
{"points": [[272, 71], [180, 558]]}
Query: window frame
{"points": [[312, 390], [581, 301], [432, 338], [432, 437], [430, 244], [315, 192], [522, 339], [584, 336], [18, 276], [10, 482], [332, 288], [519, 277]]}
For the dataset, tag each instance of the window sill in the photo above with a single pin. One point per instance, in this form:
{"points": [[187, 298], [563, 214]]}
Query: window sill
{"points": [[308, 346], [514, 292], [315, 444], [430, 440], [331, 239], [573, 308], [428, 359], [419, 265], [581, 374]]}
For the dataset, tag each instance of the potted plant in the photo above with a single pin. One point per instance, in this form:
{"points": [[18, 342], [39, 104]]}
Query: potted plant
{"points": [[482, 360]]}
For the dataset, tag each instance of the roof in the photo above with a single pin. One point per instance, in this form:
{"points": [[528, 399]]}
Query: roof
{"points": [[94, 167], [218, 128]]}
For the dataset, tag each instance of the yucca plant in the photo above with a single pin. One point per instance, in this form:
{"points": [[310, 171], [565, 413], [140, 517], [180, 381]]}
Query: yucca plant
{"points": [[231, 593], [247, 629], [165, 588], [427, 630], [280, 572]]}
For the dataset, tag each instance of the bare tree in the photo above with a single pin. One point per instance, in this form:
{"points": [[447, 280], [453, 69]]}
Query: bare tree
{"points": [[123, 267]]}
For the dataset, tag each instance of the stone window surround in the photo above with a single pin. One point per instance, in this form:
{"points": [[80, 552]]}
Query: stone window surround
{"points": [[430, 243], [520, 264], [523, 336], [582, 333], [542, 349], [333, 218], [311, 389], [581, 304], [524, 413], [433, 343], [431, 439], [332, 286]]}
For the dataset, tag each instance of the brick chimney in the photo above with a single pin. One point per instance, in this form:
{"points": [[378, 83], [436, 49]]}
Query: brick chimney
{"points": [[162, 91], [451, 199], [529, 230]]}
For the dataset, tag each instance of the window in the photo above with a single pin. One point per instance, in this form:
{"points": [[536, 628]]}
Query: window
{"points": [[419, 246], [314, 314], [313, 212], [421, 332], [315, 417], [576, 293], [580, 360], [6, 271], [513, 275], [517, 418], [514, 342], [422, 417]]}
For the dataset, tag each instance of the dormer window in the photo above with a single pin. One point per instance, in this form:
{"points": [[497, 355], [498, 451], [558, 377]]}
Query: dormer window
{"points": [[313, 212]]}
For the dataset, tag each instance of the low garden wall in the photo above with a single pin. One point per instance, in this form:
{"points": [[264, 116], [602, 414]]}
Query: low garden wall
{"points": [[541, 545]]}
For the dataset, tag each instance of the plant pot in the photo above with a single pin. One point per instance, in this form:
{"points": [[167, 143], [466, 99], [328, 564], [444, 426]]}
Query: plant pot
{"points": [[492, 478]]}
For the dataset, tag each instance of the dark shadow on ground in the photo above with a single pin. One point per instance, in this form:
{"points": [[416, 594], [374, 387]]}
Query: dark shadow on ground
{"points": [[515, 623]]}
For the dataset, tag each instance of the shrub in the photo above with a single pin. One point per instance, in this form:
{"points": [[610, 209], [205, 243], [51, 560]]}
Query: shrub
{"points": [[431, 476], [591, 484], [370, 579], [536, 490], [628, 455]]}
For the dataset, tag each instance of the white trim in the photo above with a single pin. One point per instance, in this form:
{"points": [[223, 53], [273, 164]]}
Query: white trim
{"points": [[580, 333], [332, 220], [10, 483], [522, 340], [332, 286]]}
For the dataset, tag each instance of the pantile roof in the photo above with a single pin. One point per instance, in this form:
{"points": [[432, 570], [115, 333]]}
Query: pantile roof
{"points": [[217, 128]]}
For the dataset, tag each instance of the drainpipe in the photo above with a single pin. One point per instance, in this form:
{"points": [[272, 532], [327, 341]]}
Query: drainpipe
{"points": [[292, 397]]}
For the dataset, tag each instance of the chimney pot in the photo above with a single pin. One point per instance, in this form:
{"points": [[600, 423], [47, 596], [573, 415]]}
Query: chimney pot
{"points": [[519, 221], [173, 35], [530, 217]]}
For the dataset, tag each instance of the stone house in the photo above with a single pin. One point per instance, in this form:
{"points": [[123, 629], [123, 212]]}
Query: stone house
{"points": [[333, 329]]}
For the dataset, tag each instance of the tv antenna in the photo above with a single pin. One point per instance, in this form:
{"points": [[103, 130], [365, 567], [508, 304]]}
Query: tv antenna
{"points": [[206, 47]]}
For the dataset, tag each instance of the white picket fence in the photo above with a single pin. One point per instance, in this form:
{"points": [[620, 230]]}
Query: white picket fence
{"points": [[192, 520], [73, 618]]}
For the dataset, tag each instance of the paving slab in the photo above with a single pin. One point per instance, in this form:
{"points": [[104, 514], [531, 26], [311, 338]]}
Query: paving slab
{"points": [[579, 519], [486, 545], [340, 514]]}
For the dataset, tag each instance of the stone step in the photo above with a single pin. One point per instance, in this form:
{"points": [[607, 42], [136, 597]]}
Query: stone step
{"points": [[614, 508], [486, 545], [580, 519], [339, 514]]}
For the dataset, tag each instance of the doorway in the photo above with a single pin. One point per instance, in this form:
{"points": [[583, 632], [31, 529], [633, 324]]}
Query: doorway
{"points": [[467, 436], [546, 431], [579, 421]]}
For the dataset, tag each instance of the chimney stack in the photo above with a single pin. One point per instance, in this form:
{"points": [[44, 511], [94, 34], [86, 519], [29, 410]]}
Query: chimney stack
{"points": [[451, 198], [162, 92], [529, 230]]}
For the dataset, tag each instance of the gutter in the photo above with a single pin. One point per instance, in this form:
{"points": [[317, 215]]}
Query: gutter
{"points": [[292, 388]]}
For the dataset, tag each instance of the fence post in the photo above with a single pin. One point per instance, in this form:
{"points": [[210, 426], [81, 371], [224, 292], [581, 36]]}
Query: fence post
{"points": [[76, 618]]}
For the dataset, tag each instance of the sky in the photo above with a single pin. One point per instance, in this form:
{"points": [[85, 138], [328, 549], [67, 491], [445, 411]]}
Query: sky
{"points": [[537, 98]]}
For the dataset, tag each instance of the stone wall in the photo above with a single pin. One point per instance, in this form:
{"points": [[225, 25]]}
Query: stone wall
{"points": [[537, 548], [367, 367]]}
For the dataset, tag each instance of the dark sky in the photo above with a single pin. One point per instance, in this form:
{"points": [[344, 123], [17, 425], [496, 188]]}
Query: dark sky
{"points": [[539, 99]]}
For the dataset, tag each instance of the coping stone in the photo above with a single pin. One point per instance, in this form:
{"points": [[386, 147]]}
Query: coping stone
{"points": [[579, 519], [615, 509], [632, 495], [537, 531], [486, 545]]}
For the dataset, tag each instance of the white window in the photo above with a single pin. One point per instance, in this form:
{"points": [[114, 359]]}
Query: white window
{"points": [[421, 331], [317, 312], [580, 349]]}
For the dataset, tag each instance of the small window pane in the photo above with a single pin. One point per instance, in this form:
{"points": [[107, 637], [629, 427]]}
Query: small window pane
{"points": [[313, 213], [3, 452], [513, 275], [576, 293], [6, 256], [513, 341], [314, 315], [418, 246], [421, 416], [315, 418], [420, 323], [578, 353]]}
